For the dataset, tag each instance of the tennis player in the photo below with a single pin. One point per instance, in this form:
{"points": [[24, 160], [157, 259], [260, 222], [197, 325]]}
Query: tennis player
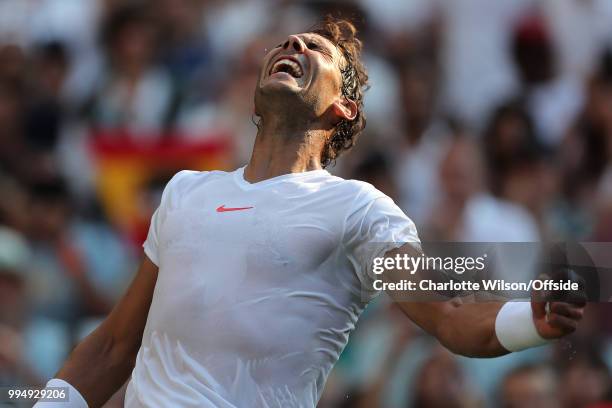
{"points": [[254, 279]]}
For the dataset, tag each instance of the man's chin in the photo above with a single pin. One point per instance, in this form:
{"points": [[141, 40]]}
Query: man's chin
{"points": [[281, 94], [281, 85]]}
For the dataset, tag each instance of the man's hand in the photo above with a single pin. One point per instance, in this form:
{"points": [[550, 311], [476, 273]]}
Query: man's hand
{"points": [[554, 319]]}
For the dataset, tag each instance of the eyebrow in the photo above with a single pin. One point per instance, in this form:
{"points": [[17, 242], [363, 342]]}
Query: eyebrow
{"points": [[329, 46], [320, 40]]}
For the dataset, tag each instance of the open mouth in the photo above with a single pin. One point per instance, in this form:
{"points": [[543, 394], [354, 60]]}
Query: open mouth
{"points": [[288, 66]]}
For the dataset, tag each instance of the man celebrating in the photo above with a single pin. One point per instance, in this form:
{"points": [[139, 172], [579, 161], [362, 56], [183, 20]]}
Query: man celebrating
{"points": [[254, 279]]}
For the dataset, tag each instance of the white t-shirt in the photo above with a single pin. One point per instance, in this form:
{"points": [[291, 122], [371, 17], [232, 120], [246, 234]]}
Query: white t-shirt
{"points": [[259, 286]]}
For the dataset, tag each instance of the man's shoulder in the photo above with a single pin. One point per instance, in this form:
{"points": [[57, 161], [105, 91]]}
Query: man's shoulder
{"points": [[357, 194], [355, 186], [362, 190], [187, 179], [188, 183]]}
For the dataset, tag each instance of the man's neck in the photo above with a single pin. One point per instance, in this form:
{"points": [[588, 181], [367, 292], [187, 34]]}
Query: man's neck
{"points": [[282, 149]]}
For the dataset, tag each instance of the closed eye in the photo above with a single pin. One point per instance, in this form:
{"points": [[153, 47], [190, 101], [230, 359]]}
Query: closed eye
{"points": [[315, 46]]}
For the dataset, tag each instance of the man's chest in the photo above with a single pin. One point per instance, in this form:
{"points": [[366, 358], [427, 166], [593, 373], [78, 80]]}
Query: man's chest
{"points": [[225, 260], [237, 233]]}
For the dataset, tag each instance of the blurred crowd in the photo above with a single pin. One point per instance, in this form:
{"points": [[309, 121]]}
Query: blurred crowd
{"points": [[487, 121]]}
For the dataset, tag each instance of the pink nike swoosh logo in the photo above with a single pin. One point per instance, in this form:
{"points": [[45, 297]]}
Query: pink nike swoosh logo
{"points": [[226, 209]]}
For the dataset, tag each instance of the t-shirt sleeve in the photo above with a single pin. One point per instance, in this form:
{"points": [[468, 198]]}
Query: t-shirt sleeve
{"points": [[375, 226], [151, 244]]}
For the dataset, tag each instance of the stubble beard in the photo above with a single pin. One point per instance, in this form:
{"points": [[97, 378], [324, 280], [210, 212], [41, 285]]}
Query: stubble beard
{"points": [[286, 105]]}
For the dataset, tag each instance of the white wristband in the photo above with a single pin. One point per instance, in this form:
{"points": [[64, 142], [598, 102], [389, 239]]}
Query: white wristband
{"points": [[75, 399], [514, 327]]}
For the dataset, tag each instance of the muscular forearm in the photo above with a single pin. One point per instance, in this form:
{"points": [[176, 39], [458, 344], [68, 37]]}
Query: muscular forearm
{"points": [[95, 302], [102, 363], [98, 367], [469, 330], [487, 329], [464, 328]]}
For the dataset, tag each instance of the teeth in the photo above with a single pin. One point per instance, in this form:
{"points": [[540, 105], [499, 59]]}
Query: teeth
{"points": [[296, 71]]}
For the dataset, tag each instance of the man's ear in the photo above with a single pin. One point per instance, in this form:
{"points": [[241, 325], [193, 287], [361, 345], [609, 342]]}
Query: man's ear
{"points": [[345, 108]]}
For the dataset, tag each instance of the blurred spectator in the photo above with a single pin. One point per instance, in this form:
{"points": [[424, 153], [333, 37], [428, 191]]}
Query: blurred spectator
{"points": [[225, 109], [442, 384], [31, 348], [134, 94], [45, 111], [77, 267], [585, 157], [581, 30], [520, 169], [12, 65], [585, 379], [532, 182], [476, 58], [12, 143], [553, 99], [509, 135], [13, 204], [50, 66], [184, 50], [466, 211], [425, 139], [530, 386]]}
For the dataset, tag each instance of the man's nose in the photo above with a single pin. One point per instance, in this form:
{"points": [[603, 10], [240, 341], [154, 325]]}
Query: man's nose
{"points": [[295, 42]]}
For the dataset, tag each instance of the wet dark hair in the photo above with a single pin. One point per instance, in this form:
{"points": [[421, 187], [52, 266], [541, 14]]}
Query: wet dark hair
{"points": [[343, 34]]}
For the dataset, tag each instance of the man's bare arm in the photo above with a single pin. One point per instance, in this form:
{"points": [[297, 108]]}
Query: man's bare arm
{"points": [[102, 362], [469, 328], [464, 328]]}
